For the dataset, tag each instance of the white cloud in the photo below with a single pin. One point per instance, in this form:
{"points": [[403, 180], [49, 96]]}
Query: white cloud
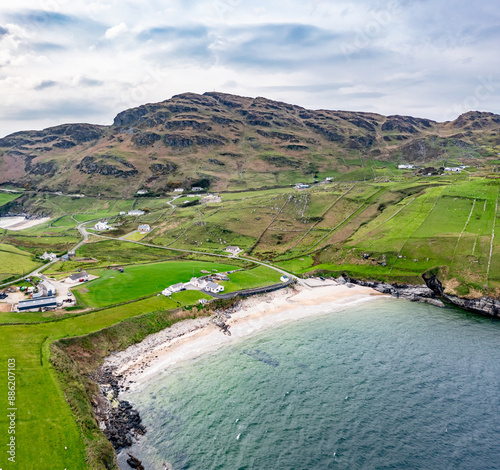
{"points": [[423, 58], [115, 31]]}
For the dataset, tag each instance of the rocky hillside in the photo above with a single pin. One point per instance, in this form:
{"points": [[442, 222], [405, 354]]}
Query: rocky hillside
{"points": [[231, 142]]}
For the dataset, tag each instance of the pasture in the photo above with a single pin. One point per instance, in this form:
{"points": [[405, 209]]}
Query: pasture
{"points": [[137, 281]]}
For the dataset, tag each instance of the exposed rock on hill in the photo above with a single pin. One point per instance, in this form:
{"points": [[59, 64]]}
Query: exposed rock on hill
{"points": [[249, 137]]}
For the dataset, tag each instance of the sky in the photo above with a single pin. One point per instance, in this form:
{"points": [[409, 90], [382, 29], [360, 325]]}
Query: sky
{"points": [[86, 60]]}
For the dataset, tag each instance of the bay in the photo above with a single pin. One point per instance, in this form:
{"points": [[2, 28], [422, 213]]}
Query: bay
{"points": [[383, 384]]}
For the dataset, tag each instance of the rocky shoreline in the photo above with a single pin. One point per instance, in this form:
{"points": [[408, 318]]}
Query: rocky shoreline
{"points": [[117, 419], [432, 292]]}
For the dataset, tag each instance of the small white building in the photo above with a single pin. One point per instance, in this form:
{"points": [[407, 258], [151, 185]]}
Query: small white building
{"points": [[144, 228], [84, 276], [178, 190], [196, 189], [453, 169], [301, 186], [234, 250], [198, 282], [214, 288], [284, 278], [47, 289], [136, 212], [102, 226], [406, 167], [141, 192], [49, 256], [173, 288]]}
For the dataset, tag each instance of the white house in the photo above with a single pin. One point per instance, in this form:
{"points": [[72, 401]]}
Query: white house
{"points": [[101, 226], [142, 192], [301, 186], [406, 167], [233, 249], [178, 190], [144, 228], [453, 169], [198, 282], [196, 189], [214, 288], [48, 256], [47, 289], [173, 288], [136, 212]]}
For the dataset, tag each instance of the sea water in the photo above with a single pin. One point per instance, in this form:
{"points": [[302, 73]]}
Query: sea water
{"points": [[386, 384]]}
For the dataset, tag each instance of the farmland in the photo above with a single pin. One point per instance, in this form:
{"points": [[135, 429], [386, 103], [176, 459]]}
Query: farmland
{"points": [[393, 230], [139, 280]]}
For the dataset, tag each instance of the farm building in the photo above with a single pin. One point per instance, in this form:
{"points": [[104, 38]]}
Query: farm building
{"points": [[214, 288], [141, 192], [136, 212], [47, 289], [221, 277], [36, 304], [406, 167], [198, 282], [196, 189], [48, 256], [233, 249], [453, 169], [301, 186], [144, 228], [77, 276], [178, 190], [101, 226]]}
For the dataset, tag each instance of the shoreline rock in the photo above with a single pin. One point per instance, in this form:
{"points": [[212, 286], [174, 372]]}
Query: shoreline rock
{"points": [[117, 419], [432, 292]]}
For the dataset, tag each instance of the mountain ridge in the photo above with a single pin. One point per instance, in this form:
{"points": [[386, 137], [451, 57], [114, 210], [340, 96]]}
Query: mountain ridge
{"points": [[233, 142]]}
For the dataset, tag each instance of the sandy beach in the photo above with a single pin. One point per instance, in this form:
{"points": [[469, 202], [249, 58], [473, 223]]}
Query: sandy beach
{"points": [[20, 223], [192, 338]]}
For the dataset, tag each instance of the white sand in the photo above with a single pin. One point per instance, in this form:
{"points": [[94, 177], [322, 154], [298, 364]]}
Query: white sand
{"points": [[192, 338], [20, 223]]}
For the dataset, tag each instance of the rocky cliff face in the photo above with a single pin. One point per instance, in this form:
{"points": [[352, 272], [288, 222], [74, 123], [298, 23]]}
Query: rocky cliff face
{"points": [[199, 134]]}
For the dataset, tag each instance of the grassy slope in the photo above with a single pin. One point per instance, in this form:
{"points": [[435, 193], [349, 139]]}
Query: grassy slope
{"points": [[14, 261], [45, 425]]}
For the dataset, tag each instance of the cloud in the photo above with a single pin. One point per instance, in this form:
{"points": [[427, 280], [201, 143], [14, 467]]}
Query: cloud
{"points": [[45, 84], [397, 57], [89, 82], [115, 31]]}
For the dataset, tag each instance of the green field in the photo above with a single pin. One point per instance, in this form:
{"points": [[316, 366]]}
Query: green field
{"points": [[255, 277], [14, 261], [6, 197], [114, 287]]}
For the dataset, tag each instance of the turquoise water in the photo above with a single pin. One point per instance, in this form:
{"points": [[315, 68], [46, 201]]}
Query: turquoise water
{"points": [[383, 385]]}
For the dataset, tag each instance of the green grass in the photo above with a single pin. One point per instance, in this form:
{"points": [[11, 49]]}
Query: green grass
{"points": [[6, 197], [255, 277], [140, 280], [14, 261]]}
